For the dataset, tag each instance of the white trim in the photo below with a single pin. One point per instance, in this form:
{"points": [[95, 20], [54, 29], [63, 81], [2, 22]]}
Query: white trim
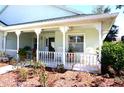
{"points": [[79, 34], [13, 50], [4, 41]]}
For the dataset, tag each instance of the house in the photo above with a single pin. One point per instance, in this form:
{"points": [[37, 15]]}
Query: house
{"points": [[70, 38]]}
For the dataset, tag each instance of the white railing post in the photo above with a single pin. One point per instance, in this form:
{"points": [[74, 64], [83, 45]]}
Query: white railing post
{"points": [[4, 46], [64, 29], [18, 32], [37, 31]]}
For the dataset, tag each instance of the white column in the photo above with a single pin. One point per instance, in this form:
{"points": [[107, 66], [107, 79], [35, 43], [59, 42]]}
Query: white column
{"points": [[4, 46], [37, 31], [99, 28], [18, 35], [64, 29]]}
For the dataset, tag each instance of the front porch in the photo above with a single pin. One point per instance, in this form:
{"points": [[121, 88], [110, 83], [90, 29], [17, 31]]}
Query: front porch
{"points": [[73, 47], [73, 61]]}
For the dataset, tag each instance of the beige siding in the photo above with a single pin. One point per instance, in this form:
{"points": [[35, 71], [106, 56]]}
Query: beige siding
{"points": [[90, 35], [11, 42], [58, 41], [90, 38], [26, 39], [1, 40]]}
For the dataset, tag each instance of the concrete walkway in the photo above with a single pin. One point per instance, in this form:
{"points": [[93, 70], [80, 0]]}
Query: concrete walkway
{"points": [[6, 69]]}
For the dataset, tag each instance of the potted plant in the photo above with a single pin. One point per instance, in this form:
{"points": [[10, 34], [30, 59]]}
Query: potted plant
{"points": [[70, 55], [22, 54]]}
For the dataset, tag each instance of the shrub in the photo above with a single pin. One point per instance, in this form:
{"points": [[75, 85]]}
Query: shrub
{"points": [[13, 61], [38, 67], [38, 64], [2, 53], [112, 60], [22, 74], [43, 78], [27, 48], [22, 54], [60, 68]]}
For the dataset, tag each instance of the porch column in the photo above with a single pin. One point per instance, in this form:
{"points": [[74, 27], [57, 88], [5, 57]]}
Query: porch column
{"points": [[37, 31], [99, 28], [4, 41], [18, 35], [64, 29]]}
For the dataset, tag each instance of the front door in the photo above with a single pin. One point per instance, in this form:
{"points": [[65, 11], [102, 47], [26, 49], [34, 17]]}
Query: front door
{"points": [[51, 44]]}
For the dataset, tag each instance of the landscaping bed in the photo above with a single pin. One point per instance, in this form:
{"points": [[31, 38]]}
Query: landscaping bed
{"points": [[58, 79], [3, 64]]}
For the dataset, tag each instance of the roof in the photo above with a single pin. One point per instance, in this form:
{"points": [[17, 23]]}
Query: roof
{"points": [[51, 19], [64, 21], [20, 14], [13, 17]]}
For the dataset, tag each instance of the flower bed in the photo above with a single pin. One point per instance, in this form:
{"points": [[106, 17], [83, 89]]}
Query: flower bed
{"points": [[56, 79], [3, 64]]}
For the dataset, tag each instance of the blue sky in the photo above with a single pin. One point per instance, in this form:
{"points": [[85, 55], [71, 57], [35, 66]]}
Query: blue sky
{"points": [[89, 8], [83, 8]]}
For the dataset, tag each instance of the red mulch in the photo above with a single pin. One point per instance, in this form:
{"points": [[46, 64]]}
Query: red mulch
{"points": [[65, 79], [3, 64]]}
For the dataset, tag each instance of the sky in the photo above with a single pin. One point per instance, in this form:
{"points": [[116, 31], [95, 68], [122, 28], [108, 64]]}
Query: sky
{"points": [[82, 8], [88, 8]]}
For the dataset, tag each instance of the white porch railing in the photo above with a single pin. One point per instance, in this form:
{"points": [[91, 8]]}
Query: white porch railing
{"points": [[11, 52], [80, 60], [51, 59]]}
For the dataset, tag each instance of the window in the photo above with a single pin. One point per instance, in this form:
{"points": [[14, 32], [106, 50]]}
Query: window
{"points": [[76, 43]]}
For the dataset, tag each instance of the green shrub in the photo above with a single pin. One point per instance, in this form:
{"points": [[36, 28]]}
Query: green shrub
{"points": [[2, 53], [22, 74], [112, 60], [38, 67], [60, 68], [43, 78], [38, 64], [22, 54]]}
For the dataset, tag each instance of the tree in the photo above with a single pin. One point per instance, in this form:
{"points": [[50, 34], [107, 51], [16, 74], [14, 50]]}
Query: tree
{"points": [[119, 7], [99, 9], [111, 36]]}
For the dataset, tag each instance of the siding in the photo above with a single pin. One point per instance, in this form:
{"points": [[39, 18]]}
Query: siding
{"points": [[1, 40]]}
